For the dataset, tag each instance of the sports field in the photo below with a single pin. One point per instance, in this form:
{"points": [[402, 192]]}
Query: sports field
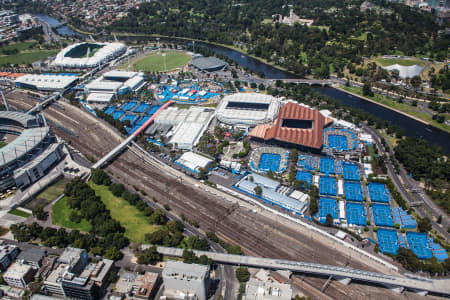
{"points": [[134, 221], [61, 217], [155, 62], [26, 57]]}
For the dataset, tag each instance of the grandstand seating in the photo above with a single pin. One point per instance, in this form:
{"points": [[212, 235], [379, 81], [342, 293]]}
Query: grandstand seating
{"points": [[418, 243], [379, 192], [339, 139], [355, 214], [387, 239], [353, 191], [382, 215], [328, 206], [266, 159], [327, 165], [351, 171], [327, 186]]}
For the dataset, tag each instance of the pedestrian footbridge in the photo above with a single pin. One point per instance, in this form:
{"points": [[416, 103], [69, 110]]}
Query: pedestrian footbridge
{"points": [[421, 285]]}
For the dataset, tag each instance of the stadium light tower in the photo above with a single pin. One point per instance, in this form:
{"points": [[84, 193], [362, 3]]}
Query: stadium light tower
{"points": [[164, 57], [4, 100]]}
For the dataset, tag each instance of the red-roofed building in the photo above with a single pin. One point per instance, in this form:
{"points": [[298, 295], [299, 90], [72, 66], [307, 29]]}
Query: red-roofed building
{"points": [[295, 127]]}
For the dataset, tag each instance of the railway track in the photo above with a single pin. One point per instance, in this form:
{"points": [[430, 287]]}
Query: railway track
{"points": [[256, 234]]}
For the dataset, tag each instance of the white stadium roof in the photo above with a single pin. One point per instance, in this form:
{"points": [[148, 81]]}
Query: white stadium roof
{"points": [[103, 55], [406, 72], [46, 82], [248, 109], [99, 97], [193, 161]]}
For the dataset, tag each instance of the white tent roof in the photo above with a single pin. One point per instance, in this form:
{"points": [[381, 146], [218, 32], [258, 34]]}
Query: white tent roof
{"points": [[406, 72]]}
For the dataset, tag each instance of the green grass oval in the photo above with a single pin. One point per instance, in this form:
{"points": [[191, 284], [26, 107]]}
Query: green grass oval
{"points": [[155, 62]]}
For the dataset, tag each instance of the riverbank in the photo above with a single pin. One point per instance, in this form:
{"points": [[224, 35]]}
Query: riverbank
{"points": [[117, 34], [400, 108]]}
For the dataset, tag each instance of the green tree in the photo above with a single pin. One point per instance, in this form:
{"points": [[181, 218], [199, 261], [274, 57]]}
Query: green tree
{"points": [[242, 274], [113, 253], [367, 91], [258, 190]]}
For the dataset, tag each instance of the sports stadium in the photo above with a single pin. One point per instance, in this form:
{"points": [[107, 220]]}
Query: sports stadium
{"points": [[88, 55], [340, 140], [265, 159], [296, 126], [30, 149], [247, 110]]}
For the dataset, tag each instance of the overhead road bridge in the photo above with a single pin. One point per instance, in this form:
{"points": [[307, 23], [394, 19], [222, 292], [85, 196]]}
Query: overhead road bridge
{"points": [[111, 155], [420, 285], [310, 82]]}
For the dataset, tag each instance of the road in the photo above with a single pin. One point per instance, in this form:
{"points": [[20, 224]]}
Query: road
{"points": [[403, 177], [258, 234]]}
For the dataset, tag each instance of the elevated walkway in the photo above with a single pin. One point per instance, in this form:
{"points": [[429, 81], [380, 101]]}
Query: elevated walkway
{"points": [[396, 283], [108, 157]]}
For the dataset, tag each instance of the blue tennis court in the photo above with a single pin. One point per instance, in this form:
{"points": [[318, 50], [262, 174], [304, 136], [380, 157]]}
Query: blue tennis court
{"points": [[338, 167], [351, 172], [338, 142], [327, 165], [308, 162], [353, 191], [328, 206], [130, 117], [355, 214], [304, 176], [387, 239], [117, 114], [382, 215], [143, 107], [401, 217], [379, 192], [153, 110], [109, 110], [418, 243], [327, 186], [269, 162], [129, 106]]}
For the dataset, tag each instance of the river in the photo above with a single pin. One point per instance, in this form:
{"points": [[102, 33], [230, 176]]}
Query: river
{"points": [[410, 126], [63, 30]]}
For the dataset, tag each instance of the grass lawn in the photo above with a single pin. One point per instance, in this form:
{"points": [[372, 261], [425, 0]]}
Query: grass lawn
{"points": [[155, 62], [406, 108], [3, 231], [402, 62], [26, 57], [19, 213], [134, 221], [48, 195], [21, 46], [61, 213], [3, 144]]}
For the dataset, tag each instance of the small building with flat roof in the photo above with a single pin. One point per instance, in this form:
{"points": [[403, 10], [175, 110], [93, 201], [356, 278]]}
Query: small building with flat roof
{"points": [[19, 275], [185, 280], [138, 286], [32, 256]]}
